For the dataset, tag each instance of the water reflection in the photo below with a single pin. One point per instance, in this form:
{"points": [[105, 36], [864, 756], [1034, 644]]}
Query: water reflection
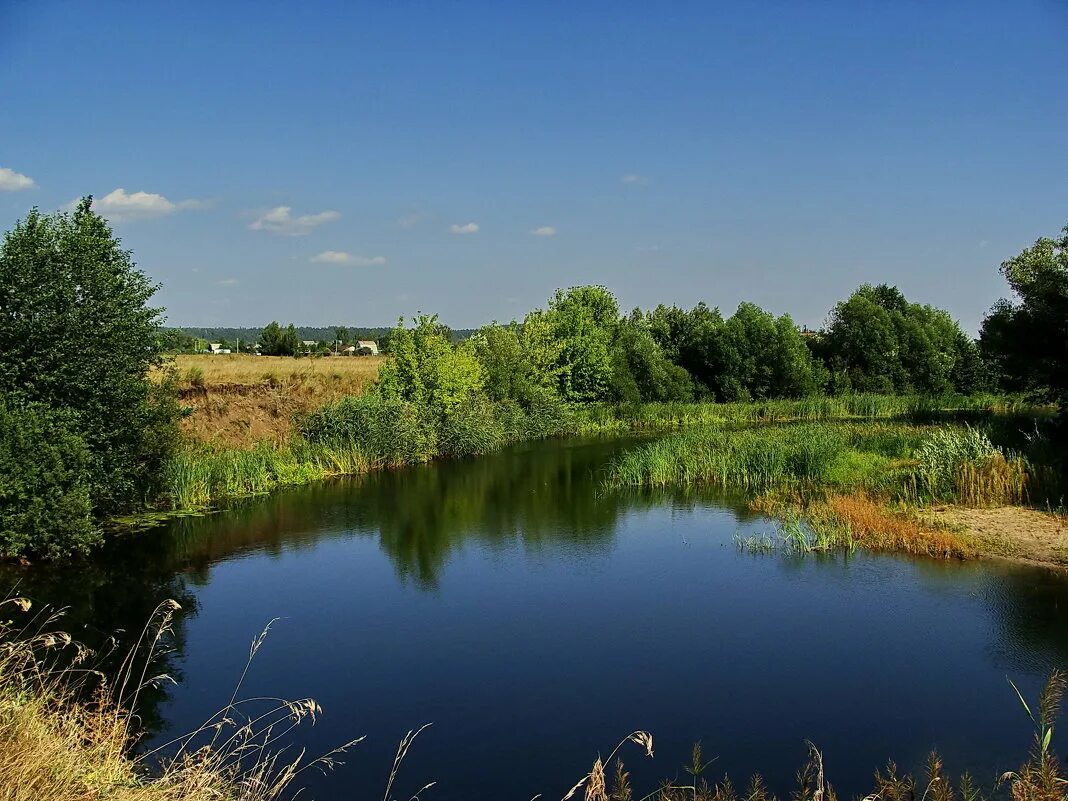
{"points": [[546, 501]]}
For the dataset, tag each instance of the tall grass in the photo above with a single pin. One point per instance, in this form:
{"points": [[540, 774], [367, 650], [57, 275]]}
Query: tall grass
{"points": [[66, 732], [912, 462]]}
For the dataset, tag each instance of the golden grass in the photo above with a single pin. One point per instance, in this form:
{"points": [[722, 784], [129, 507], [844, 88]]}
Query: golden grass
{"points": [[356, 373], [240, 400], [874, 526], [61, 743]]}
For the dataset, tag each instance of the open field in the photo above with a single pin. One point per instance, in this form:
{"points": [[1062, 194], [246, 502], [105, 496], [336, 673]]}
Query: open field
{"points": [[239, 400]]}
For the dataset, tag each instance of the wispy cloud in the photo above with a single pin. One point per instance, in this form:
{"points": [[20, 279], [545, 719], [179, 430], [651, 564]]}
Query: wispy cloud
{"points": [[409, 220], [341, 257], [227, 282], [545, 230], [280, 220], [466, 228], [119, 205], [632, 178], [11, 181]]}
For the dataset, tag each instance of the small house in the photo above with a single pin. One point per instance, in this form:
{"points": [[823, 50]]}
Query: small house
{"points": [[216, 347], [367, 344]]}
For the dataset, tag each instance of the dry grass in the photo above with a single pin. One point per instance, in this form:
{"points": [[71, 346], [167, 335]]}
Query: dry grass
{"points": [[240, 400], [66, 732], [874, 526]]}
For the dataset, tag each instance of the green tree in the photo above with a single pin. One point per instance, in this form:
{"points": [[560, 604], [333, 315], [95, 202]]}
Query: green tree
{"points": [[641, 370], [877, 341], [427, 370], [46, 506], [278, 341], [1026, 340], [585, 320], [77, 333]]}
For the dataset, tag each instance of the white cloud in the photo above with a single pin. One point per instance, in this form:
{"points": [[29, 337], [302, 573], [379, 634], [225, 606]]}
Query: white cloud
{"points": [[409, 221], [11, 181], [280, 221], [227, 282], [341, 257], [122, 205], [466, 228], [545, 230], [632, 178]]}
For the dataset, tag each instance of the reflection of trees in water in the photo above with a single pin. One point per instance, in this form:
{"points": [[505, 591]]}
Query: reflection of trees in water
{"points": [[546, 495]]}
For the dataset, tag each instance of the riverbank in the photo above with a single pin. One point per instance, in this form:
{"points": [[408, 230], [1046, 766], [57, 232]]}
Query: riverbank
{"points": [[945, 490]]}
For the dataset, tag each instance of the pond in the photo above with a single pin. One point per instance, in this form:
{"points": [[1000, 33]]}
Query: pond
{"points": [[535, 619]]}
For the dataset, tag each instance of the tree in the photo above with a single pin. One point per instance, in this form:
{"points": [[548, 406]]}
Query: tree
{"points": [[77, 333], [641, 370], [877, 341], [427, 370], [278, 341], [585, 320], [1026, 340], [341, 337], [46, 506]]}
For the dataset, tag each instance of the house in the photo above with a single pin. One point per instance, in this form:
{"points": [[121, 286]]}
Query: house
{"points": [[349, 351], [368, 344], [216, 347]]}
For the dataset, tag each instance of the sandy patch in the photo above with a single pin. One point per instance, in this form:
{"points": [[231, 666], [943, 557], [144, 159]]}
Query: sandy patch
{"points": [[1013, 532]]}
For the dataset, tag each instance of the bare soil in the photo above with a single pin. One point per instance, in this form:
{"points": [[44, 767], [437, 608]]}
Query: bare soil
{"points": [[1013, 532]]}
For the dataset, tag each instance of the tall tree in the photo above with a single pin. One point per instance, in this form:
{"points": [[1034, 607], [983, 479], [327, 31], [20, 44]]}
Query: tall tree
{"points": [[1026, 340], [78, 333]]}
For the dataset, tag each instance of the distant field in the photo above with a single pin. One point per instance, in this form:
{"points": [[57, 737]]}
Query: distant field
{"points": [[356, 372], [238, 400]]}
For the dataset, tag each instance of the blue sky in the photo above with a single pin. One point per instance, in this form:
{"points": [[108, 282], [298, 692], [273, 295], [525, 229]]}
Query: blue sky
{"points": [[334, 161]]}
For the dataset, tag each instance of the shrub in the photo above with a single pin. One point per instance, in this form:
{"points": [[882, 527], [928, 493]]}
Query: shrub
{"points": [[45, 506], [471, 429], [387, 431]]}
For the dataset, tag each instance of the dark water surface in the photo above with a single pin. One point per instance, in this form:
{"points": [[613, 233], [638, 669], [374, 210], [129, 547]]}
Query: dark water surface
{"points": [[535, 619]]}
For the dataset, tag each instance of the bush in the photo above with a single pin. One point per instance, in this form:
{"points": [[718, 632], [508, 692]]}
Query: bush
{"points": [[472, 429], [387, 431], [45, 506]]}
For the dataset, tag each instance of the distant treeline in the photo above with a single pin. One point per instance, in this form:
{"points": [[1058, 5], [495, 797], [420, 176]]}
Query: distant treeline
{"points": [[188, 339]]}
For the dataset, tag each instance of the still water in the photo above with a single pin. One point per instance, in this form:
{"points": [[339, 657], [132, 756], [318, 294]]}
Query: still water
{"points": [[535, 619]]}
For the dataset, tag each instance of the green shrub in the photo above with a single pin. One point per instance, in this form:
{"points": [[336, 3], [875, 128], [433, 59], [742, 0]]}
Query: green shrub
{"points": [[472, 429], [386, 430], [45, 506]]}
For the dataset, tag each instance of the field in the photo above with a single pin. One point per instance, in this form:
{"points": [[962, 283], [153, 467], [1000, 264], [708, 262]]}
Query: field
{"points": [[239, 400]]}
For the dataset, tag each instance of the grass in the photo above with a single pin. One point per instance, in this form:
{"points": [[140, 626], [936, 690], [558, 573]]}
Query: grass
{"points": [[239, 400], [354, 374], [844, 484]]}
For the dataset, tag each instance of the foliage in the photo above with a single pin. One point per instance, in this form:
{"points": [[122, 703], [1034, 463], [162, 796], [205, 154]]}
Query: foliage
{"points": [[77, 333], [641, 371], [585, 321], [387, 431], [751, 355], [877, 341], [427, 370], [1027, 341], [278, 341], [45, 503]]}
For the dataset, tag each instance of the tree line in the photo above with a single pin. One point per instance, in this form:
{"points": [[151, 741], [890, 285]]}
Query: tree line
{"points": [[86, 434]]}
